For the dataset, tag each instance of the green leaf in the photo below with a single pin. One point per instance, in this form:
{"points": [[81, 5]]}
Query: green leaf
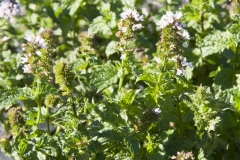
{"points": [[201, 155], [79, 64], [23, 147], [216, 43], [111, 48], [100, 25], [149, 78], [127, 98], [155, 156], [134, 146], [104, 76], [74, 6], [235, 30], [225, 95], [129, 3], [10, 97], [225, 78]]}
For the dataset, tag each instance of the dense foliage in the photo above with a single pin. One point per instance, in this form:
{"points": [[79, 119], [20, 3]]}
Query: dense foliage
{"points": [[120, 79]]}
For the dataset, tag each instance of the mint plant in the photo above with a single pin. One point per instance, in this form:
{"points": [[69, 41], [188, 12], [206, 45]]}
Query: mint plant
{"points": [[120, 79]]}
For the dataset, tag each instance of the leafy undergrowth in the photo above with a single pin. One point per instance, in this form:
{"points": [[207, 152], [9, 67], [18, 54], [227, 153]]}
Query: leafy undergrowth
{"points": [[127, 79]]}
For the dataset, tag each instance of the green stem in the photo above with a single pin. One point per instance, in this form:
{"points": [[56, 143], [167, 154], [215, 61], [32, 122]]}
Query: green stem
{"points": [[122, 77], [85, 108], [48, 122], [57, 130], [39, 103], [162, 70], [235, 66], [179, 117], [202, 22], [237, 50], [123, 67], [159, 78], [121, 82], [73, 106], [39, 113]]}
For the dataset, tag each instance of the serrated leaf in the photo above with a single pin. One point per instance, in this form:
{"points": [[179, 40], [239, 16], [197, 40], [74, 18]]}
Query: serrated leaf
{"points": [[124, 116], [126, 99], [133, 146], [104, 8], [99, 25], [235, 30], [111, 48], [23, 147], [148, 78], [104, 76], [225, 95], [129, 3], [10, 97], [155, 156], [216, 43], [79, 64], [74, 6], [225, 78]]}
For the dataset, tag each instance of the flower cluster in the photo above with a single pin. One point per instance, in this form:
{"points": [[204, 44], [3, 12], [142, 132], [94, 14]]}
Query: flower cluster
{"points": [[37, 52], [157, 111], [32, 47], [85, 39], [131, 14], [170, 18], [173, 20], [182, 155], [183, 64], [172, 38], [9, 9], [149, 117], [129, 22]]}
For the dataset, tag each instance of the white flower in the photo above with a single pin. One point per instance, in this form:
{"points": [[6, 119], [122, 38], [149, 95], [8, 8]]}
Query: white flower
{"points": [[39, 53], [137, 26], [180, 72], [5, 38], [29, 38], [184, 63], [9, 9], [140, 18], [124, 29], [24, 59], [170, 18], [157, 111], [185, 44], [162, 23], [126, 14], [185, 35], [135, 14], [180, 26], [178, 15], [131, 14], [27, 68], [190, 64], [123, 56], [145, 11], [41, 42]]}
